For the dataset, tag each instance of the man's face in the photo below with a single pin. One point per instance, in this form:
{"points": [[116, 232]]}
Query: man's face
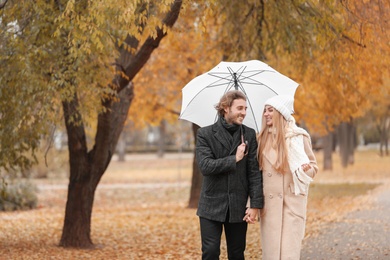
{"points": [[236, 113]]}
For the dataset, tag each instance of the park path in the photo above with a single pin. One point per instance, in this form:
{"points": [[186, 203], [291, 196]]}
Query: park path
{"points": [[361, 234], [103, 186]]}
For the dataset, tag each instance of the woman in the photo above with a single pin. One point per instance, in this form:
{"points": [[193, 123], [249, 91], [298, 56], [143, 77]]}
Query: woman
{"points": [[288, 165]]}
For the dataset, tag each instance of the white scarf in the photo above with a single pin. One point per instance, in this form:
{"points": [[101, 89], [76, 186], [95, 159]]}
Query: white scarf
{"points": [[297, 156]]}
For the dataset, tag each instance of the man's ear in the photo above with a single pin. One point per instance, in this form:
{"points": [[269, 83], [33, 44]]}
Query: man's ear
{"points": [[226, 109]]}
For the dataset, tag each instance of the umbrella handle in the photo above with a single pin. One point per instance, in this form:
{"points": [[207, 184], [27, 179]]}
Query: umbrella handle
{"points": [[242, 134], [244, 141]]}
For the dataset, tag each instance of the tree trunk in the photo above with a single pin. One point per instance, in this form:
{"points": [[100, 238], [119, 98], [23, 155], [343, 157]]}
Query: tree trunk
{"points": [[384, 129], [197, 177], [161, 139], [347, 142], [387, 133], [342, 135], [77, 223], [328, 150], [87, 168], [121, 147], [352, 142]]}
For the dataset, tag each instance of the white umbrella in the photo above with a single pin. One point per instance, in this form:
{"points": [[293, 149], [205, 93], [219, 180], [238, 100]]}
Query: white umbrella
{"points": [[257, 80]]}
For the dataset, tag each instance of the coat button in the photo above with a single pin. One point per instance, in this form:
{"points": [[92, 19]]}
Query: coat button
{"points": [[270, 196], [280, 195], [269, 174]]}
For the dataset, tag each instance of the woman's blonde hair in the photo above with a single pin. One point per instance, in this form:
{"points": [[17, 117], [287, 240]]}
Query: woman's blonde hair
{"points": [[278, 141]]}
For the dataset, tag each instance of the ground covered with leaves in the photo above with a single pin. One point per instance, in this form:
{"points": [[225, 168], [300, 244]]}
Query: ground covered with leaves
{"points": [[140, 210]]}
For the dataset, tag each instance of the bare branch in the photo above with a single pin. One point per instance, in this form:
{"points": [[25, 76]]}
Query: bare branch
{"points": [[353, 41], [2, 5]]}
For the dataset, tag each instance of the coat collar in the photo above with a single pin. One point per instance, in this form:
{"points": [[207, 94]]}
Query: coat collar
{"points": [[225, 138]]}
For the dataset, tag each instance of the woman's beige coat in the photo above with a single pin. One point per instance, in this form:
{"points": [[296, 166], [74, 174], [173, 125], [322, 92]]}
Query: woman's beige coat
{"points": [[283, 218]]}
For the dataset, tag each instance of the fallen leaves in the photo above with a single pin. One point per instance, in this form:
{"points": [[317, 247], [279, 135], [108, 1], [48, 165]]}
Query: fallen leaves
{"points": [[149, 219]]}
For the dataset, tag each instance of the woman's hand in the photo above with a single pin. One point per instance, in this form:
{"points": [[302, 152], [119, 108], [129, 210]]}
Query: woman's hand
{"points": [[251, 215], [306, 167]]}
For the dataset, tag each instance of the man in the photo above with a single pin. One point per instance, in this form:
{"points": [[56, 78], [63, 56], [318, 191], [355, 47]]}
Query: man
{"points": [[226, 155]]}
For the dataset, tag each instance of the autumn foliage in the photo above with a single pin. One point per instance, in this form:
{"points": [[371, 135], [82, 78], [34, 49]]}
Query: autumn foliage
{"points": [[336, 51]]}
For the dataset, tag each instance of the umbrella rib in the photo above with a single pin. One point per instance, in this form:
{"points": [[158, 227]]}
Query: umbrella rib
{"points": [[250, 105], [228, 87], [228, 80], [241, 77], [227, 77], [213, 84], [255, 82]]}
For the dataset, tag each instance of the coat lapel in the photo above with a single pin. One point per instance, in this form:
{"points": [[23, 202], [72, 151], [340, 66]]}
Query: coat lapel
{"points": [[224, 137], [269, 152], [236, 141]]}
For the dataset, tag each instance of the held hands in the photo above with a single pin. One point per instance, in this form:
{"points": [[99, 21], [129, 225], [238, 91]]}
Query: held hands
{"points": [[306, 167], [251, 215], [241, 152]]}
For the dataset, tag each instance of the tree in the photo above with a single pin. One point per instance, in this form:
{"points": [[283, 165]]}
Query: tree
{"points": [[197, 177], [343, 72], [346, 135], [92, 165], [65, 49], [378, 117]]}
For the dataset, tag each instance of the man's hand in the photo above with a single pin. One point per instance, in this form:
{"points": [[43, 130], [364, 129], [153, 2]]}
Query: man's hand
{"points": [[240, 152], [251, 215], [306, 167]]}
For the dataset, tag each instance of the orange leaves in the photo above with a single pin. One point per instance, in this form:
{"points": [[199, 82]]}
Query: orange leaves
{"points": [[344, 79], [342, 73], [181, 56]]}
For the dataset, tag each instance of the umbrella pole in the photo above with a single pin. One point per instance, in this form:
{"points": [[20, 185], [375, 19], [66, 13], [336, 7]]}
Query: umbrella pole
{"points": [[244, 141], [235, 82], [242, 134]]}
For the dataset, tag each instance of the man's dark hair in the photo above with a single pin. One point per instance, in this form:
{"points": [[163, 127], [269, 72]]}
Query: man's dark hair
{"points": [[227, 100]]}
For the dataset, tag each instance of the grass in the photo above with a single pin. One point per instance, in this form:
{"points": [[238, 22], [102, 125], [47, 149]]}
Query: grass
{"points": [[140, 210]]}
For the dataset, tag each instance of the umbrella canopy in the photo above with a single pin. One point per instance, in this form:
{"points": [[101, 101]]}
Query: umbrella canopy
{"points": [[257, 80]]}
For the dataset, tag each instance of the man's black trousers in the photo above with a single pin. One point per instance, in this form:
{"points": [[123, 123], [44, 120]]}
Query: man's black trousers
{"points": [[211, 232]]}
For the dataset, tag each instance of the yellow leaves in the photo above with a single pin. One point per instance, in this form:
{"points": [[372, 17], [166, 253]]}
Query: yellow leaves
{"points": [[152, 25], [65, 49]]}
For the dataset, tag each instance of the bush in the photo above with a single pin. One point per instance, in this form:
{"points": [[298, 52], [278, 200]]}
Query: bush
{"points": [[18, 195]]}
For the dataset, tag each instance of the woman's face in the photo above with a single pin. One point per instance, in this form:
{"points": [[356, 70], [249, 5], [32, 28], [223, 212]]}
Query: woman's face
{"points": [[268, 114]]}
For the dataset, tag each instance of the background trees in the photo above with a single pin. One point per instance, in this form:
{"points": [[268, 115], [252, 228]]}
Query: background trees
{"points": [[324, 46], [79, 62], [347, 76]]}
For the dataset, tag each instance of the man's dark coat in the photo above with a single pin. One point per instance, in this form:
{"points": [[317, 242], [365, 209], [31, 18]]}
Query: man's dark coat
{"points": [[227, 184]]}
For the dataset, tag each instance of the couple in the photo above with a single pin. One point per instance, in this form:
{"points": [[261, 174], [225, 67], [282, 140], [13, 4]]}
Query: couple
{"points": [[229, 157]]}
